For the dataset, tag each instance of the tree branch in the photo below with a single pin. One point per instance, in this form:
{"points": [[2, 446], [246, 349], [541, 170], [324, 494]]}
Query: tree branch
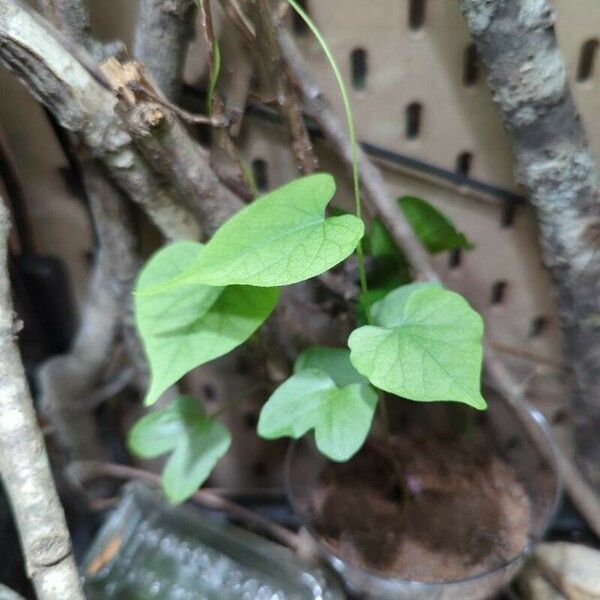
{"points": [[164, 28], [267, 41], [25, 467], [83, 106], [516, 40], [66, 381], [170, 150]]}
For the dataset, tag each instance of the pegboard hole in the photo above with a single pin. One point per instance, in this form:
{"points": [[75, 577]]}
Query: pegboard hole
{"points": [[538, 327], [471, 66], [587, 59], [260, 172], [498, 292], [464, 161], [251, 421], [358, 62], [259, 469], [299, 25], [414, 112], [560, 416], [416, 14], [209, 392], [455, 258], [509, 210]]}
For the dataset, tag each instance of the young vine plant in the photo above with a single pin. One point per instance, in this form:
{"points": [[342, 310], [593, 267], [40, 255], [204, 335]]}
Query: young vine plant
{"points": [[196, 302]]}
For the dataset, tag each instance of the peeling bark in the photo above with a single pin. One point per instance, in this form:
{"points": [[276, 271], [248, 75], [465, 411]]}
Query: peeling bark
{"points": [[25, 467], [169, 149], [517, 42], [164, 28]]}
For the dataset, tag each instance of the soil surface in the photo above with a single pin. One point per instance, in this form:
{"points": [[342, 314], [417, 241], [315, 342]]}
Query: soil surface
{"points": [[465, 511]]}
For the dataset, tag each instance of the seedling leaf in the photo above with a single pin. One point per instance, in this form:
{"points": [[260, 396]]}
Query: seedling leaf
{"points": [[197, 442], [188, 325], [310, 400], [425, 345]]}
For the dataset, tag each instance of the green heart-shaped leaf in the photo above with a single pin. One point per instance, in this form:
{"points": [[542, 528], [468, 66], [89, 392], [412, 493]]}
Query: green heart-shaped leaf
{"points": [[341, 417], [433, 228], [425, 345], [188, 325], [197, 442], [279, 239]]}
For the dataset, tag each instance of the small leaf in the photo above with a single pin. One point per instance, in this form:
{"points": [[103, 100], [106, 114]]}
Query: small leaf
{"points": [[380, 242], [435, 230], [197, 441], [341, 417], [333, 361], [425, 345], [186, 326], [279, 239]]}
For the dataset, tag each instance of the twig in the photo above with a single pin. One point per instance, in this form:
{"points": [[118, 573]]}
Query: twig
{"points": [[285, 93], [170, 150], [227, 160], [208, 499], [186, 116], [161, 39], [110, 389], [25, 467], [529, 355]]}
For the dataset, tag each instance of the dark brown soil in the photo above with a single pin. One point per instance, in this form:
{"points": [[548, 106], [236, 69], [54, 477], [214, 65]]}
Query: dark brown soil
{"points": [[466, 512]]}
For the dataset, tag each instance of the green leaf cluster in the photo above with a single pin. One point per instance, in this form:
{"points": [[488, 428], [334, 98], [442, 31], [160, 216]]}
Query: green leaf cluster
{"points": [[327, 395], [196, 443]]}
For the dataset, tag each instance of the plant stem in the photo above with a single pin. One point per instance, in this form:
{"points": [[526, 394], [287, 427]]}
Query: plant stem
{"points": [[362, 274]]}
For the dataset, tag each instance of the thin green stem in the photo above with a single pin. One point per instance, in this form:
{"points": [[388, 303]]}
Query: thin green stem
{"points": [[362, 274], [358, 208], [215, 71]]}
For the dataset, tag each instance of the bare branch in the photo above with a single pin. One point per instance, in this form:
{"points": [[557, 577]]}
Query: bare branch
{"points": [[25, 467], [83, 106], [164, 28], [516, 40], [285, 93], [66, 381], [170, 150], [94, 469]]}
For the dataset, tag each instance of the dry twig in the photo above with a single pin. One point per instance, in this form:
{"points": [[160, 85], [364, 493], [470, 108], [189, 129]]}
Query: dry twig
{"points": [[94, 469]]}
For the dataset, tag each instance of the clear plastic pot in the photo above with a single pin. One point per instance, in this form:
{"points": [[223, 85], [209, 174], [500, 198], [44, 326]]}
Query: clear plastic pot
{"points": [[533, 460]]}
